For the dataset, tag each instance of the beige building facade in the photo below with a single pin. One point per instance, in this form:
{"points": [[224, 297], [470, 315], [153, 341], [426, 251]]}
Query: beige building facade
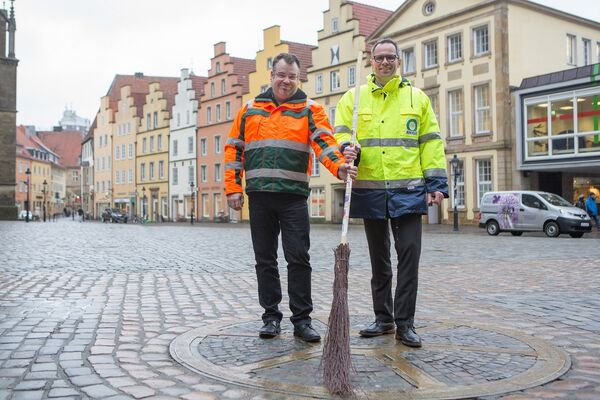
{"points": [[467, 55], [103, 134]]}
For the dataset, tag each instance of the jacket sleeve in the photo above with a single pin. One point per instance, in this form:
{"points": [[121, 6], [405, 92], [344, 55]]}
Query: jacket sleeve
{"points": [[343, 119], [431, 148], [234, 154], [322, 141]]}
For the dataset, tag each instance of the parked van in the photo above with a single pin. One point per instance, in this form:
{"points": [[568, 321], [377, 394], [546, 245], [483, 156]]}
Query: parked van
{"points": [[521, 211]]}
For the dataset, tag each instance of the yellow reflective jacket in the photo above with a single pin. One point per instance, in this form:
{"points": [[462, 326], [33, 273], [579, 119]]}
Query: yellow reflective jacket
{"points": [[402, 153]]}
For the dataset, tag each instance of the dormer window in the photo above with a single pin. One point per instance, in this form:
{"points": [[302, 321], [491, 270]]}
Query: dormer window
{"points": [[428, 8]]}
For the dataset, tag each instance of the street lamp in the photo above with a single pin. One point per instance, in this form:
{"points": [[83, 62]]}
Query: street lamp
{"points": [[28, 173], [144, 205], [193, 202], [44, 191], [455, 162]]}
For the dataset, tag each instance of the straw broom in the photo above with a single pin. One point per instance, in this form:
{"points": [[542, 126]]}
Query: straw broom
{"points": [[337, 359]]}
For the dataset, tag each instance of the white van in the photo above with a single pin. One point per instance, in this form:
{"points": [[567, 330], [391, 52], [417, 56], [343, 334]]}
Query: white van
{"points": [[521, 211]]}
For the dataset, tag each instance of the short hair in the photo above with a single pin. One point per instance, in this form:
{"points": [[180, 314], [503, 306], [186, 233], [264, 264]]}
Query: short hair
{"points": [[386, 40], [289, 58]]}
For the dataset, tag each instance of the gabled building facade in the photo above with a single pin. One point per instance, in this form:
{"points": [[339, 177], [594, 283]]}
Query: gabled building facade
{"points": [[225, 86], [346, 25], [152, 150], [87, 173], [467, 55], [182, 146], [103, 134]]}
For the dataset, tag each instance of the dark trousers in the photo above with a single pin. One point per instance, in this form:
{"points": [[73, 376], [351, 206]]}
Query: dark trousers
{"points": [[407, 242], [271, 213]]}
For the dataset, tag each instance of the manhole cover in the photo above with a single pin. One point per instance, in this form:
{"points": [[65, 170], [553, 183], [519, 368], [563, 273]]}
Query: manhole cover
{"points": [[457, 360]]}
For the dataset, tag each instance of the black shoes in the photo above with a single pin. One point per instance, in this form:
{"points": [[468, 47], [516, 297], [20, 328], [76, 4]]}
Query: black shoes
{"points": [[378, 328], [269, 330], [307, 333], [408, 336]]}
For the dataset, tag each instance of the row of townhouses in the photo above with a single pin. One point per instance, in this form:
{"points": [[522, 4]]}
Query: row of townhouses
{"points": [[513, 84]]}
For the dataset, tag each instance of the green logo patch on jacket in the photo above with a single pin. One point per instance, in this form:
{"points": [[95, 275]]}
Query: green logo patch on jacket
{"points": [[412, 126]]}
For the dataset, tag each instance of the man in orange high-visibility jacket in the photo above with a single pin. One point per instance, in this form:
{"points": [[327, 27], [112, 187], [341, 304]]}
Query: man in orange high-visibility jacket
{"points": [[270, 142]]}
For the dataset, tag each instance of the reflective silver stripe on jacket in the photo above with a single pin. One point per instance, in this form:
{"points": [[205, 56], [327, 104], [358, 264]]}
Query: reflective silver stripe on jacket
{"points": [[395, 142], [391, 184], [342, 129], [318, 133], [326, 152], [276, 173], [434, 172], [233, 165], [237, 143], [282, 143], [430, 136]]}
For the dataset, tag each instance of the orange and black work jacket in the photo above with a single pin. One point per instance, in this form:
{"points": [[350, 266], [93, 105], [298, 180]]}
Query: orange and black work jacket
{"points": [[272, 144]]}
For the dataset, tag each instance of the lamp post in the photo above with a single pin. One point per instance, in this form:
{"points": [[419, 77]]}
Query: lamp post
{"points": [[28, 173], [454, 162], [193, 202], [144, 205], [44, 191]]}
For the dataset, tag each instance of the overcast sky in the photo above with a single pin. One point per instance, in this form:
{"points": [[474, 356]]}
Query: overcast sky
{"points": [[70, 50]]}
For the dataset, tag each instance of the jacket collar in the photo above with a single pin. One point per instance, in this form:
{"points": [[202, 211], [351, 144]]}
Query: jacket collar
{"points": [[396, 82], [268, 96]]}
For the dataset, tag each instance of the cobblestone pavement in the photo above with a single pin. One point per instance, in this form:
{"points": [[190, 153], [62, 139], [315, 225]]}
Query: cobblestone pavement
{"points": [[89, 310]]}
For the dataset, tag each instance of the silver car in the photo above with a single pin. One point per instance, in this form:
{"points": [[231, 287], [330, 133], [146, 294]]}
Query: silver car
{"points": [[521, 211]]}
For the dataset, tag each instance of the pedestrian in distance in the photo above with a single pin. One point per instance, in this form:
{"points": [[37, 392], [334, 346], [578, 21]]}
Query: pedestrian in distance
{"points": [[401, 170], [592, 208], [580, 202], [270, 145], [80, 213]]}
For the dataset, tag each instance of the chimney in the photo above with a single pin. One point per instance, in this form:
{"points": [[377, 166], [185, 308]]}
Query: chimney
{"points": [[139, 75]]}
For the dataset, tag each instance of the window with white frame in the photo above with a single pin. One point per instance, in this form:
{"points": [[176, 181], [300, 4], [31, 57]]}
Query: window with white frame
{"points": [[175, 173], [191, 174], [227, 111], [117, 152], [151, 172], [408, 61], [190, 144], [484, 178], [455, 113], [143, 171], [455, 48], [334, 25], [123, 154], [319, 83], [483, 120], [151, 144], [175, 147], [481, 40], [130, 175], [218, 112], [430, 54], [187, 117], [270, 63], [218, 67], [217, 144], [571, 49], [161, 169], [205, 205], [148, 121], [208, 115], [217, 172], [159, 142], [203, 146], [351, 75], [223, 86], [212, 89], [587, 51], [334, 80], [155, 119], [144, 145], [203, 173], [130, 150], [317, 202], [315, 169]]}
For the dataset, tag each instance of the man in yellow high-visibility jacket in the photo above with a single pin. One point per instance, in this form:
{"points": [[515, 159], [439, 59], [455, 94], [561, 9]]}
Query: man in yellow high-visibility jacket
{"points": [[401, 169]]}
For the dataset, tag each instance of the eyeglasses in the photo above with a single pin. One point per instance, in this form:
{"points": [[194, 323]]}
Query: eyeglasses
{"points": [[389, 57]]}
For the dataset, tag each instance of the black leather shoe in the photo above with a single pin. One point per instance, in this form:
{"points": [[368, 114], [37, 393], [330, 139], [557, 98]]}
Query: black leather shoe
{"points": [[307, 333], [408, 336], [377, 328], [269, 330]]}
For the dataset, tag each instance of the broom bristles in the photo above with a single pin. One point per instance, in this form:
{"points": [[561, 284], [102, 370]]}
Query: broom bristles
{"points": [[337, 358]]}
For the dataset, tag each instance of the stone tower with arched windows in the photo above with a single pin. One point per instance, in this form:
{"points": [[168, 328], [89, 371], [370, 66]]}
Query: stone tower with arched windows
{"points": [[8, 112]]}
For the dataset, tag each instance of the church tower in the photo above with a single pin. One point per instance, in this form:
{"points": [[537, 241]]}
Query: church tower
{"points": [[8, 112]]}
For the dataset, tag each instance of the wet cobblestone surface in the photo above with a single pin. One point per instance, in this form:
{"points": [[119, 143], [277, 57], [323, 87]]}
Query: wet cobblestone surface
{"points": [[89, 310]]}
